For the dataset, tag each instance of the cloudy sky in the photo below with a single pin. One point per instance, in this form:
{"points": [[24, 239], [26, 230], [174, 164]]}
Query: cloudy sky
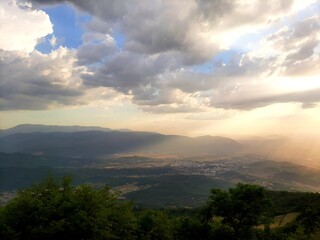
{"points": [[192, 67]]}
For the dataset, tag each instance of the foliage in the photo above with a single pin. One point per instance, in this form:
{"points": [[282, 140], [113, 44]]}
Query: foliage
{"points": [[154, 225], [242, 208], [189, 228], [53, 210], [57, 210]]}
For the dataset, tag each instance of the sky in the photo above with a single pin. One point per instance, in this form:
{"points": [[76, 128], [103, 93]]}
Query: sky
{"points": [[191, 67]]}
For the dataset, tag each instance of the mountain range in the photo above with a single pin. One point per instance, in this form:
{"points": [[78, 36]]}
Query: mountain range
{"points": [[76, 141]]}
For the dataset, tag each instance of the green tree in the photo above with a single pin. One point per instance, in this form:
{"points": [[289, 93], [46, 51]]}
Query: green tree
{"points": [[155, 225], [54, 210], [190, 228], [241, 208]]}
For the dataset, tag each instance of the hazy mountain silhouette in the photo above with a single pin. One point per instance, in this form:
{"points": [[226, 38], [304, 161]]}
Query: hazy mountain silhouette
{"points": [[31, 128], [69, 141]]}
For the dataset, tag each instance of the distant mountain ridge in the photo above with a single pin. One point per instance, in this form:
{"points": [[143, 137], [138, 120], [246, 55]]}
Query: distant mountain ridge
{"points": [[95, 141], [31, 128]]}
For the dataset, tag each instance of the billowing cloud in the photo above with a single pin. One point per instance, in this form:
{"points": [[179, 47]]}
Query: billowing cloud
{"points": [[96, 47], [166, 43], [195, 29], [285, 68], [29, 79], [22, 27], [38, 81]]}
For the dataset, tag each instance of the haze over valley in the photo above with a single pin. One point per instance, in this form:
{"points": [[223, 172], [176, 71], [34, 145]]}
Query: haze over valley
{"points": [[151, 168]]}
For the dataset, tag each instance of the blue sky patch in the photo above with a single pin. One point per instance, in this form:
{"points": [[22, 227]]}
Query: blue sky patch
{"points": [[120, 39], [67, 27]]}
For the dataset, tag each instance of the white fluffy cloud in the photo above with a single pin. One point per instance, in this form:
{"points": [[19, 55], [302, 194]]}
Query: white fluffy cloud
{"points": [[21, 27]]}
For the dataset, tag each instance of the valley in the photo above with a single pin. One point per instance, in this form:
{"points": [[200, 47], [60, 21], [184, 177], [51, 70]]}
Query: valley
{"points": [[172, 179]]}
